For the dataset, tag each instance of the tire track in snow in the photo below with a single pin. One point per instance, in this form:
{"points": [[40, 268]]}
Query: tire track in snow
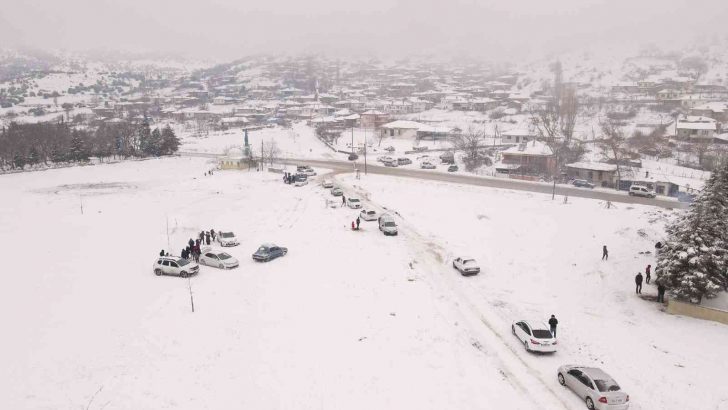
{"points": [[517, 372]]}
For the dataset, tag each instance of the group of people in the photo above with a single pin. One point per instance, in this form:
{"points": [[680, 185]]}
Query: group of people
{"points": [[192, 250], [638, 279], [288, 178], [355, 224], [210, 172]]}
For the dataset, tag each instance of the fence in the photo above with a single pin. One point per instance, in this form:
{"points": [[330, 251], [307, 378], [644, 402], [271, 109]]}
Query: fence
{"points": [[675, 307]]}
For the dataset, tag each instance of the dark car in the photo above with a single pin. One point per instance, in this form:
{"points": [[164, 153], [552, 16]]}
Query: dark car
{"points": [[452, 168], [353, 157], [268, 252], [582, 183]]}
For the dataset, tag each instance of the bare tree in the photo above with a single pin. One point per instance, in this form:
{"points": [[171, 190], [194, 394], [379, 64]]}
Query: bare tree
{"points": [[470, 144], [612, 145], [273, 152]]}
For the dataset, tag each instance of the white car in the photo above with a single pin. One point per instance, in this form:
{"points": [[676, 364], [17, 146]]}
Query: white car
{"points": [[427, 165], [368, 215], [175, 266], [594, 386], [466, 266], [227, 239], [353, 203], [217, 259], [639, 190], [300, 181], [309, 171], [535, 336], [327, 183], [384, 158]]}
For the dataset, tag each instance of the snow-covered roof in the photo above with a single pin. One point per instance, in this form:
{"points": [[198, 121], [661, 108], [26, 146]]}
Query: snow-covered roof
{"points": [[531, 148], [593, 166], [697, 123], [403, 124]]}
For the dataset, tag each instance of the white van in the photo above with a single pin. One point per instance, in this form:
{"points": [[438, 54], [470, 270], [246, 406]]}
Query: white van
{"points": [[641, 190], [387, 225]]}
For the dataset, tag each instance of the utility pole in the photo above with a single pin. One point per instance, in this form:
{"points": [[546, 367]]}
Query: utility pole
{"points": [[261, 155], [352, 139], [168, 245], [365, 151], [80, 198]]}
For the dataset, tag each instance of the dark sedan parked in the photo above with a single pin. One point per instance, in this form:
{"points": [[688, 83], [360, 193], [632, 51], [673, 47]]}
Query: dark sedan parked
{"points": [[582, 183], [268, 252]]}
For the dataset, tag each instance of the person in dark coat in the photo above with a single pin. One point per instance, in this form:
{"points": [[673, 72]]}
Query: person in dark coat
{"points": [[647, 274], [190, 242], [197, 243], [182, 254], [358, 221], [605, 253], [161, 253], [661, 293], [202, 236], [212, 233], [343, 200], [207, 238], [552, 324], [638, 282]]}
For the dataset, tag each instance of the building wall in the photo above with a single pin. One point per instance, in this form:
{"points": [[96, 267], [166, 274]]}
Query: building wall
{"points": [[675, 307]]}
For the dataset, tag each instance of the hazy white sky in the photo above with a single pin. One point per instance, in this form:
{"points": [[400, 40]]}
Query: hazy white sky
{"points": [[506, 29]]}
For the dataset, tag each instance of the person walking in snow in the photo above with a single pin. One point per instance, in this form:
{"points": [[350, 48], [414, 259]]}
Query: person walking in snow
{"points": [[202, 236], [197, 243], [605, 253], [343, 200], [638, 282], [212, 233], [161, 253], [358, 221], [353, 226], [207, 238], [552, 324], [647, 274], [661, 293], [182, 254], [190, 242]]}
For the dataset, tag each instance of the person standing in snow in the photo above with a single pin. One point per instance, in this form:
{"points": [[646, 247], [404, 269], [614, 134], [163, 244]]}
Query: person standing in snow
{"points": [[647, 274], [343, 200], [358, 221], [202, 236], [212, 233], [207, 238], [661, 293], [638, 282], [182, 254], [161, 253], [197, 243], [605, 253], [353, 226], [190, 242], [552, 324]]}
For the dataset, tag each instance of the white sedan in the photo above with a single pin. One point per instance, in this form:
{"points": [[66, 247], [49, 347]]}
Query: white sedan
{"points": [[535, 337], [227, 239], [598, 389], [217, 259], [300, 181], [327, 183], [368, 215], [466, 266], [353, 203]]}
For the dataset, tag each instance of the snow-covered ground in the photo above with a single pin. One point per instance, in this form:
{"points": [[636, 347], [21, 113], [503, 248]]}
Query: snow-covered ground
{"points": [[541, 257]]}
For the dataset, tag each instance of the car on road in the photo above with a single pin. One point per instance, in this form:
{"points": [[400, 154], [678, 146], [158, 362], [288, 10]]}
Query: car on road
{"points": [[466, 266], [301, 180], [391, 163], [217, 259], [535, 336], [387, 225], [368, 215], [384, 158], [327, 183], [227, 239], [403, 161], [452, 168], [353, 202], [337, 191], [175, 266], [598, 389], [353, 157], [583, 183], [427, 165], [641, 190], [419, 149], [268, 251]]}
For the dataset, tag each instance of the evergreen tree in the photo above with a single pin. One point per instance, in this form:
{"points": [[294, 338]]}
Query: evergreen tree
{"points": [[33, 157], [170, 142], [77, 151], [154, 146], [144, 135], [693, 261], [18, 161]]}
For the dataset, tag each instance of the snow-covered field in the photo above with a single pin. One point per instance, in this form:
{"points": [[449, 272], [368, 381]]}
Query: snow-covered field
{"points": [[346, 319]]}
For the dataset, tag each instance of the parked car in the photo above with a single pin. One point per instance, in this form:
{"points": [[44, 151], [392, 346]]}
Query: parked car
{"points": [[217, 259], [419, 149], [427, 165], [337, 192], [447, 158], [640, 190], [391, 163], [384, 158], [353, 203], [535, 337], [175, 266], [389, 149], [268, 252], [404, 161], [583, 183], [452, 168], [387, 225], [327, 183], [309, 172], [466, 266], [353, 157], [368, 215], [594, 386], [301, 180], [227, 239]]}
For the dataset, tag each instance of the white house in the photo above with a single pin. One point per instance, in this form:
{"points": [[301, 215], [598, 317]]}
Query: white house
{"points": [[400, 129], [692, 127]]}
